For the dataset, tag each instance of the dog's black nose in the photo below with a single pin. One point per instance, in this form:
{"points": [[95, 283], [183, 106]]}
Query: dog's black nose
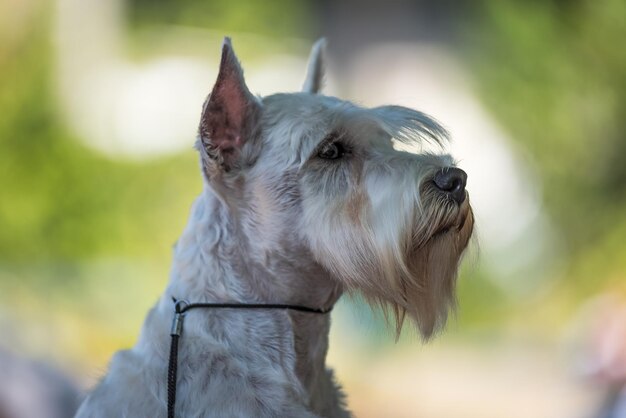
{"points": [[452, 180]]}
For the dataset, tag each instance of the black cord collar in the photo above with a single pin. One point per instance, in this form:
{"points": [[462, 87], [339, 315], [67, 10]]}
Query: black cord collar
{"points": [[182, 306]]}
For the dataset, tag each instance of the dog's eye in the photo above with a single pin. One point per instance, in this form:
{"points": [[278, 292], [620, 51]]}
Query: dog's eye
{"points": [[332, 151]]}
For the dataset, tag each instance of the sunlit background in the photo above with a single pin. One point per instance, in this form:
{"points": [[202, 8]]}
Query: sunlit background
{"points": [[99, 104]]}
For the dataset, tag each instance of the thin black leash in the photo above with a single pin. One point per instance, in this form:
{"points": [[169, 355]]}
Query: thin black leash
{"points": [[182, 306]]}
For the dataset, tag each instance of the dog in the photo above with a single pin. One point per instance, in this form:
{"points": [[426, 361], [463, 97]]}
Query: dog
{"points": [[305, 198]]}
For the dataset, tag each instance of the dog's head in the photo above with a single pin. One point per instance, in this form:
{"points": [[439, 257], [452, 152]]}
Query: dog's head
{"points": [[320, 177]]}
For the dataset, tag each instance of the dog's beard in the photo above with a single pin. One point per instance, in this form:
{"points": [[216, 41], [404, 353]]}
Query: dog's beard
{"points": [[430, 279], [407, 271]]}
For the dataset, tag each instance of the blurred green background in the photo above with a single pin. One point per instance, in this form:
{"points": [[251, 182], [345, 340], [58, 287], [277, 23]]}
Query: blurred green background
{"points": [[87, 217]]}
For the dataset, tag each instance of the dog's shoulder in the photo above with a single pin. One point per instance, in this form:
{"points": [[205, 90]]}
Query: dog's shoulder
{"points": [[127, 389]]}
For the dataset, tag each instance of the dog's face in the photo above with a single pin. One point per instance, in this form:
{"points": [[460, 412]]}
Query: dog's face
{"points": [[320, 177]]}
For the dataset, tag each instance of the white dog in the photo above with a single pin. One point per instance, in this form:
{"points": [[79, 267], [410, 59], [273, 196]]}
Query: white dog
{"points": [[304, 198]]}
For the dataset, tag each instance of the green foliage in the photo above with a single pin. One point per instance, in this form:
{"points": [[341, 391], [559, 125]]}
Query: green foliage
{"points": [[61, 201], [274, 18], [554, 73]]}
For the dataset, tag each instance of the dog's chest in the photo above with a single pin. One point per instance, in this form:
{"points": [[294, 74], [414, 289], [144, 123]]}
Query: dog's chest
{"points": [[241, 360]]}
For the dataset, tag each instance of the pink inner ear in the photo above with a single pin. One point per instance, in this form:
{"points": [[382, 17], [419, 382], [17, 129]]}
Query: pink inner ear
{"points": [[234, 104], [223, 120], [228, 112]]}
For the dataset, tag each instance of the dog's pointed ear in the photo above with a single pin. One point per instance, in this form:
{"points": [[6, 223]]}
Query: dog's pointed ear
{"points": [[229, 115], [315, 70]]}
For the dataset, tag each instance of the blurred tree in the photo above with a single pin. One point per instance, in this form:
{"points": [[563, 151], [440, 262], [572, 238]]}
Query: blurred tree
{"points": [[554, 73], [62, 202], [274, 18]]}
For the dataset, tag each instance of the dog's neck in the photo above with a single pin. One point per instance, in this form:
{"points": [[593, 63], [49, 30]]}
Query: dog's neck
{"points": [[220, 257], [215, 261]]}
